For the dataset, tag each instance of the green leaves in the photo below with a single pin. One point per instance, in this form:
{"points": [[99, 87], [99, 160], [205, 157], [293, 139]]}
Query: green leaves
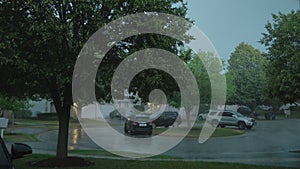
{"points": [[283, 43], [41, 40], [206, 69], [246, 76], [13, 104]]}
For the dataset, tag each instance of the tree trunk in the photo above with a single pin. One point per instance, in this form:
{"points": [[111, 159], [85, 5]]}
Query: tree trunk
{"points": [[63, 134], [63, 107]]}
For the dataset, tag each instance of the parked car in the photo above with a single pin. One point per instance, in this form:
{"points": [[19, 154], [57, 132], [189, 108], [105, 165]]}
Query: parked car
{"points": [[18, 150], [203, 116], [115, 114], [138, 125], [166, 119], [246, 111], [231, 118]]}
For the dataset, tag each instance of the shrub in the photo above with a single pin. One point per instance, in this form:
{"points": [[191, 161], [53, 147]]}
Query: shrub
{"points": [[47, 116], [23, 114]]}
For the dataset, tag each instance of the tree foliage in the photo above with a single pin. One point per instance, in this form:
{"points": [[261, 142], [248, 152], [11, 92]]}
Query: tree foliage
{"points": [[40, 42], [12, 104], [246, 76], [203, 77], [283, 43]]}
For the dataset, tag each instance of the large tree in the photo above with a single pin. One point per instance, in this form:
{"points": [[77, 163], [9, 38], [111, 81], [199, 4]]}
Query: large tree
{"points": [[206, 69], [246, 74], [282, 40], [40, 42]]}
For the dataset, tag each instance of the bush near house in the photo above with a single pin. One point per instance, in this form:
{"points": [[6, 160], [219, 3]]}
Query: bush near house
{"points": [[295, 111], [47, 116], [23, 114]]}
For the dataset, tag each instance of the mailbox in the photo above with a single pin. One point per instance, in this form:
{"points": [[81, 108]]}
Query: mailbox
{"points": [[3, 123]]}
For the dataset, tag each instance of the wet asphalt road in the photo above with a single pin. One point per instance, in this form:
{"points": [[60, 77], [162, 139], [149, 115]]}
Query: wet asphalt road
{"points": [[268, 143]]}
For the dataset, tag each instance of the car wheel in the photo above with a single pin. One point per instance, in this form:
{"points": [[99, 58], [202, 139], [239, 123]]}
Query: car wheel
{"points": [[241, 125], [150, 133], [222, 126], [249, 127], [200, 118], [166, 126], [125, 129]]}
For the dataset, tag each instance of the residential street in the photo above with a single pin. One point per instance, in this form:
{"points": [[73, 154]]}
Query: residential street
{"points": [[268, 143]]}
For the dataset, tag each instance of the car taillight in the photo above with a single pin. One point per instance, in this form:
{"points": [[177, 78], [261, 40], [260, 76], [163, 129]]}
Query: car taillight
{"points": [[134, 123], [151, 123]]}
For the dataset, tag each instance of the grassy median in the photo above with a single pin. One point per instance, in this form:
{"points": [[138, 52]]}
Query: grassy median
{"points": [[138, 164], [20, 137], [99, 152]]}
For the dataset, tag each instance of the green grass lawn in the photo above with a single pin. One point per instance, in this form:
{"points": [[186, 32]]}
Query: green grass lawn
{"points": [[295, 113], [53, 124], [295, 151], [20, 137], [223, 132], [138, 164], [108, 154], [36, 122], [97, 123], [195, 132]]}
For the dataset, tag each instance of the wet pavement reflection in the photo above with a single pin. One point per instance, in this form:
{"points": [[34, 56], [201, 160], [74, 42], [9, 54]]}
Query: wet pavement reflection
{"points": [[268, 143]]}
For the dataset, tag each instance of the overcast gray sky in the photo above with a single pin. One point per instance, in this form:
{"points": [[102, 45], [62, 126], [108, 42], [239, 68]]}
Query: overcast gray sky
{"points": [[229, 22]]}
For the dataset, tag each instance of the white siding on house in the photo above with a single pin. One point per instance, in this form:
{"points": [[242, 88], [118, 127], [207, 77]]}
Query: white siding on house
{"points": [[42, 106]]}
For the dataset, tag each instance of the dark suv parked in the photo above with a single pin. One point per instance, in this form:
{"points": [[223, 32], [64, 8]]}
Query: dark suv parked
{"points": [[18, 150], [138, 125], [166, 119], [115, 114]]}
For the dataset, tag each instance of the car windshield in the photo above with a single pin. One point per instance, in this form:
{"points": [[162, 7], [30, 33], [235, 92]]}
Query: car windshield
{"points": [[205, 112], [170, 113], [212, 113], [238, 114], [156, 115], [140, 119]]}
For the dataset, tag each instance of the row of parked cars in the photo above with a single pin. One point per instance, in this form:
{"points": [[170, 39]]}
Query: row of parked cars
{"points": [[144, 124]]}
